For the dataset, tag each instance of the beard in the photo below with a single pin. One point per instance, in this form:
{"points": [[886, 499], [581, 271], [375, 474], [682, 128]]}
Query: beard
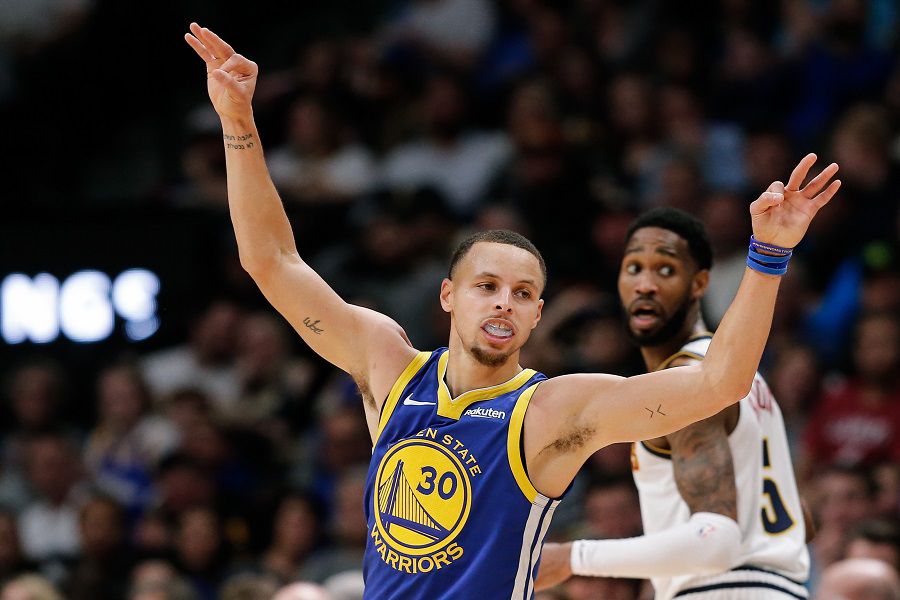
{"points": [[670, 328], [488, 359]]}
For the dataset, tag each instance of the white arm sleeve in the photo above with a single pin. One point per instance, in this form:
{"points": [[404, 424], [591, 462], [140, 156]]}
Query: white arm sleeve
{"points": [[708, 543]]}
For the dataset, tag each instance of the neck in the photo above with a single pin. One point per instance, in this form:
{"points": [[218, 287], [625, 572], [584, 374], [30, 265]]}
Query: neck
{"points": [[464, 373], [656, 355]]}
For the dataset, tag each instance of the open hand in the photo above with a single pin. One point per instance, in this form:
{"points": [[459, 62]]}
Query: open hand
{"points": [[782, 214], [230, 78]]}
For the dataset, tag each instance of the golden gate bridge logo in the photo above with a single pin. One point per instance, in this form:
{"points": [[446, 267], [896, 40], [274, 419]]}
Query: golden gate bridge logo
{"points": [[399, 506], [423, 497]]}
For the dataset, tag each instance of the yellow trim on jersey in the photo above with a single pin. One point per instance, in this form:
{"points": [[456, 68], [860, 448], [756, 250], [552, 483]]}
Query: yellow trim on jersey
{"points": [[514, 447], [685, 353], [680, 354], [408, 373], [649, 446], [453, 408]]}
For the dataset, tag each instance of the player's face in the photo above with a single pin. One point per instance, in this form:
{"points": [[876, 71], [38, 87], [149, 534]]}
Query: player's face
{"points": [[494, 300], [658, 282]]}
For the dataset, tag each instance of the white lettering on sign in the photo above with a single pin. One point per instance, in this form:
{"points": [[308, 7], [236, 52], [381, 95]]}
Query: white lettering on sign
{"points": [[83, 307]]}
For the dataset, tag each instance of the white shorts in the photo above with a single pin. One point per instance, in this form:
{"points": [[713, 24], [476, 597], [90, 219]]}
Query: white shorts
{"points": [[743, 583]]}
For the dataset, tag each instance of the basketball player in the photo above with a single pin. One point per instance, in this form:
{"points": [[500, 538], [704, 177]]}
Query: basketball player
{"points": [[722, 516], [471, 451]]}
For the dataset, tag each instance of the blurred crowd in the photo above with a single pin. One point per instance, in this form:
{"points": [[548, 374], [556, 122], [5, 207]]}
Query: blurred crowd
{"points": [[233, 462]]}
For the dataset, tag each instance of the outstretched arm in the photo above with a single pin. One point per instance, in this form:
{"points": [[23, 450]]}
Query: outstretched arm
{"points": [[572, 416], [710, 542], [350, 337]]}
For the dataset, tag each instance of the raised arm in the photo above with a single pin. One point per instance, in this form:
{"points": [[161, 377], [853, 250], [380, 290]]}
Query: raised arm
{"points": [[572, 416], [364, 343]]}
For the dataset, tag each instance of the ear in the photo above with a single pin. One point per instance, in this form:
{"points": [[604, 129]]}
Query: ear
{"points": [[446, 292], [699, 284], [537, 317]]}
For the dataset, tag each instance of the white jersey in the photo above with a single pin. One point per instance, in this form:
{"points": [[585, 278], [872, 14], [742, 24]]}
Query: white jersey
{"points": [[774, 560]]}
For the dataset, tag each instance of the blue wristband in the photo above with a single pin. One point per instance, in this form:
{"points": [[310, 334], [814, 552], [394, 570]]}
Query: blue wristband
{"points": [[768, 260], [778, 250], [766, 269]]}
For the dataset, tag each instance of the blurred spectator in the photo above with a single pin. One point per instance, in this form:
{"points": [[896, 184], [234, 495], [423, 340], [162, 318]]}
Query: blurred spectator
{"points": [[152, 571], [203, 165], [542, 167], [859, 579], [860, 145], [205, 363], [295, 534], [878, 539], [248, 587], [200, 551], [102, 571], [611, 509], [123, 449], [48, 528], [183, 484], [36, 395], [841, 500], [302, 591], [12, 559], [887, 498], [317, 164], [271, 379], [347, 528], [177, 589], [795, 379], [457, 161], [348, 585], [858, 421], [29, 587], [717, 148]]}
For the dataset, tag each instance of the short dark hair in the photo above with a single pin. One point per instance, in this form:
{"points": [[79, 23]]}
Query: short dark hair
{"points": [[686, 226], [496, 236], [879, 531]]}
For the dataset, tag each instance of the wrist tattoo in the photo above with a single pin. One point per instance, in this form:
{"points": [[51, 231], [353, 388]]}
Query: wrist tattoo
{"points": [[238, 142], [313, 325]]}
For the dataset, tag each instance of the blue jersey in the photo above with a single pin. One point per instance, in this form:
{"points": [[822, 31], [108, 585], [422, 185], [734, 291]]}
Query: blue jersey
{"points": [[450, 509]]}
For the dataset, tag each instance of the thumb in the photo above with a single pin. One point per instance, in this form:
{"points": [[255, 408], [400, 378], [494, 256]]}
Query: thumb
{"points": [[222, 77], [774, 196]]}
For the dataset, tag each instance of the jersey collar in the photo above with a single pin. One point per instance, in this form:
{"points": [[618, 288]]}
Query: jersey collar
{"points": [[453, 407]]}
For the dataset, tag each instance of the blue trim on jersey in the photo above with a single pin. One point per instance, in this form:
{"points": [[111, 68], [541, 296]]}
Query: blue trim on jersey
{"points": [[738, 585]]}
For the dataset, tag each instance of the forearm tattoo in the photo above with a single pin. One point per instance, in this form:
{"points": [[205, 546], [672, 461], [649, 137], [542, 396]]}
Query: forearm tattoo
{"points": [[238, 142], [313, 325]]}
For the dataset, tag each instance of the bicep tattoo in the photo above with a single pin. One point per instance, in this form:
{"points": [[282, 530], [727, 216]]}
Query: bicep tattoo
{"points": [[704, 468]]}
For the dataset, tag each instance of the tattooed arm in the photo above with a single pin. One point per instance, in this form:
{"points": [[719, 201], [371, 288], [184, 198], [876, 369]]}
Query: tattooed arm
{"points": [[703, 466], [366, 344]]}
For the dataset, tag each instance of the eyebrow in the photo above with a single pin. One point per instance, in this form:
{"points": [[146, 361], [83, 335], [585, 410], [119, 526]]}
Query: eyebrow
{"points": [[664, 250], [493, 276]]}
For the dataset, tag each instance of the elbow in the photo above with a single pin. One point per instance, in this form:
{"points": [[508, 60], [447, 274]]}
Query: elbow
{"points": [[728, 388], [723, 550], [257, 266], [726, 559]]}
